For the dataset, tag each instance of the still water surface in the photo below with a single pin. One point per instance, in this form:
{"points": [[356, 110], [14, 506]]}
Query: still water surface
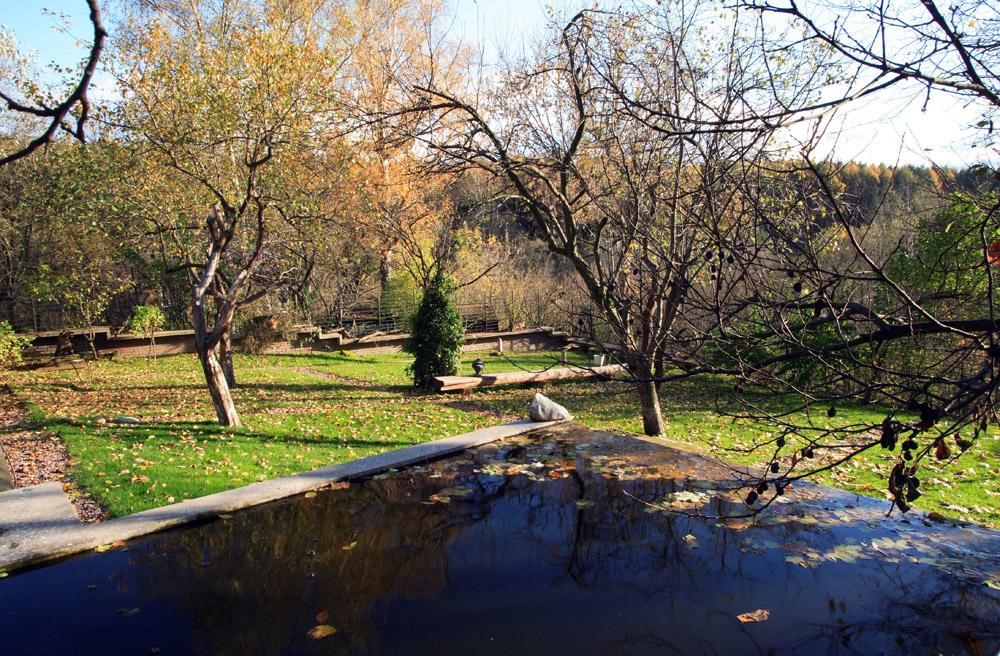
{"points": [[575, 542]]}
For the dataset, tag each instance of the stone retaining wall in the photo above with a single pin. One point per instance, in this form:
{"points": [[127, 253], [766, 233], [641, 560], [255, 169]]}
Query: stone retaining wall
{"points": [[172, 342]]}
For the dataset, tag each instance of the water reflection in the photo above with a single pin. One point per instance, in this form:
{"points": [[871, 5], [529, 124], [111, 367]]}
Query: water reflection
{"points": [[557, 545]]}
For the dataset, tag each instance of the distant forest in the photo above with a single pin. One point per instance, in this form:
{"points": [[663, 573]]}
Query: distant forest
{"points": [[498, 245]]}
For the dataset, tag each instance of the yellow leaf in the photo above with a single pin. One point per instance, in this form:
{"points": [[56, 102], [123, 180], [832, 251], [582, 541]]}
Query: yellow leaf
{"points": [[105, 547], [321, 631], [348, 547]]}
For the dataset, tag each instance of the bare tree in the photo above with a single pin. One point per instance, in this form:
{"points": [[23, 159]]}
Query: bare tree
{"points": [[629, 139], [648, 164], [953, 49], [818, 310], [831, 315]]}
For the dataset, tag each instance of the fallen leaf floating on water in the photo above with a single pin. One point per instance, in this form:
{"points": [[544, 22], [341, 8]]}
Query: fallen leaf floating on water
{"points": [[105, 547], [754, 616], [321, 631]]}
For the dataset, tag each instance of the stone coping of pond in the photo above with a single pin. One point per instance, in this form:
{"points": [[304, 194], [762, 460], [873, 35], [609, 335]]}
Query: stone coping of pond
{"points": [[6, 479], [35, 535]]}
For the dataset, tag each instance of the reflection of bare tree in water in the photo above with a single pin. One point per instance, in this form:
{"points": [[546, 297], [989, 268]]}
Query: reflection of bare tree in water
{"points": [[958, 608], [683, 580], [246, 580]]}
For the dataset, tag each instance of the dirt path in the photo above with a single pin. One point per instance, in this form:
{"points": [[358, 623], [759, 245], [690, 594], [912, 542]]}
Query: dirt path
{"points": [[35, 456]]}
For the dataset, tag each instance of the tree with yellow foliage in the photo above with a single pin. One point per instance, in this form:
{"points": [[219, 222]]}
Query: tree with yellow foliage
{"points": [[224, 101]]}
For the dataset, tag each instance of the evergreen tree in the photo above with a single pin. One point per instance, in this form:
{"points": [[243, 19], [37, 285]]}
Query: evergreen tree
{"points": [[437, 333]]}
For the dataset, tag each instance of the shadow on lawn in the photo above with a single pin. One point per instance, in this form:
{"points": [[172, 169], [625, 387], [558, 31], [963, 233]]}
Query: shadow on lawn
{"points": [[188, 433], [329, 357], [331, 387]]}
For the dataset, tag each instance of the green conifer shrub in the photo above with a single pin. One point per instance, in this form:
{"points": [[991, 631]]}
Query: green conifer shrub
{"points": [[436, 335]]}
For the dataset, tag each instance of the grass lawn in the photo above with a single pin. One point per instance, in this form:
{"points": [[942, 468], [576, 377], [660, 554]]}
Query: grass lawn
{"points": [[306, 411], [390, 370], [293, 422]]}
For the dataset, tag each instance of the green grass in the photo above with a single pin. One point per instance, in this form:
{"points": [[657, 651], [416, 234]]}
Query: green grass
{"points": [[390, 370], [296, 420], [134, 468], [293, 422]]}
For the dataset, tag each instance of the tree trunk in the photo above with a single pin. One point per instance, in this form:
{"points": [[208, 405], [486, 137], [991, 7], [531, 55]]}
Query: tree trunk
{"points": [[649, 400], [226, 358], [215, 378], [225, 409], [659, 366], [91, 337], [385, 269]]}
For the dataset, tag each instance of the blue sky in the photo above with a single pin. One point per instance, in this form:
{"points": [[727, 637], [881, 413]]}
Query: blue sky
{"points": [[865, 133], [38, 31], [484, 21]]}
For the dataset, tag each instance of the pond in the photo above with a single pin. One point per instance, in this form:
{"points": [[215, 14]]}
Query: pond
{"points": [[565, 541]]}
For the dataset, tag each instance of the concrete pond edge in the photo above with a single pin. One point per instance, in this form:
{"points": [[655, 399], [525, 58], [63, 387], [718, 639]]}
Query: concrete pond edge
{"points": [[6, 478], [25, 546]]}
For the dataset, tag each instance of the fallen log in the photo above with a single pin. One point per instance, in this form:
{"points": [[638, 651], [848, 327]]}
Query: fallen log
{"points": [[455, 383]]}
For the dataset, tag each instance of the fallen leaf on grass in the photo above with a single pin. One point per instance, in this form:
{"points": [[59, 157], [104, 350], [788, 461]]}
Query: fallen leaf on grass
{"points": [[348, 547], [321, 631], [754, 616]]}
